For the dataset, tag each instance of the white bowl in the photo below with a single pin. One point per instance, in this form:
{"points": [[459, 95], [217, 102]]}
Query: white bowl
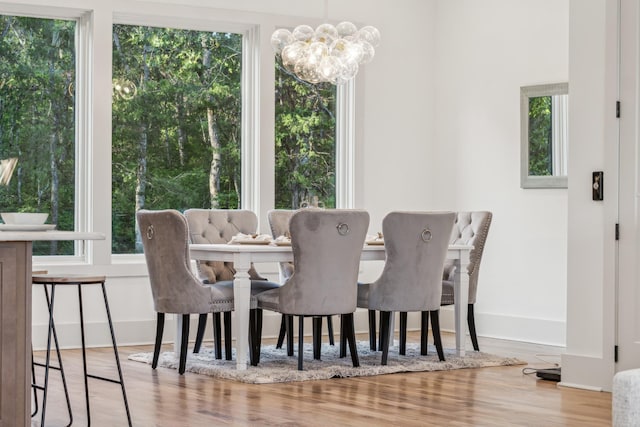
{"points": [[24, 218]]}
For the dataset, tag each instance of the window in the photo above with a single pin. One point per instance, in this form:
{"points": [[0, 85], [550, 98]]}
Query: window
{"points": [[37, 120], [176, 124], [186, 122], [305, 142]]}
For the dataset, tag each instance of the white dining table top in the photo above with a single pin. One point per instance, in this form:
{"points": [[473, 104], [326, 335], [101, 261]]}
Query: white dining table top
{"points": [[258, 251]]}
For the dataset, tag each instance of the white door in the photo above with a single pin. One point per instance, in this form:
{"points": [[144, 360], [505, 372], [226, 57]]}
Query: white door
{"points": [[628, 295]]}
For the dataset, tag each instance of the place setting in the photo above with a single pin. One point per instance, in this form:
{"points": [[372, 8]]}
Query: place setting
{"points": [[375, 240]]}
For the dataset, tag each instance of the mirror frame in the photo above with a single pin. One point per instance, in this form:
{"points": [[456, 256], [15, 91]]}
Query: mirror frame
{"points": [[526, 180]]}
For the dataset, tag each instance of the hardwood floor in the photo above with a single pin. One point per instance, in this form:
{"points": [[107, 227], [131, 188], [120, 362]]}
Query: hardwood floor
{"points": [[501, 396]]}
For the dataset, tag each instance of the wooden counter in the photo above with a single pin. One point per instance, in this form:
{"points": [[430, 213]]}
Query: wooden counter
{"points": [[15, 319]]}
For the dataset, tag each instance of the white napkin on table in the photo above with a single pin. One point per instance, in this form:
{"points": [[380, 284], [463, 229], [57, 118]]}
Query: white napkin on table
{"points": [[241, 237]]}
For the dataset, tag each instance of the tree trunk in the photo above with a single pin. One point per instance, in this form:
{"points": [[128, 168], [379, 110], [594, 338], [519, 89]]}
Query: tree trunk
{"points": [[214, 170], [141, 179], [141, 173]]}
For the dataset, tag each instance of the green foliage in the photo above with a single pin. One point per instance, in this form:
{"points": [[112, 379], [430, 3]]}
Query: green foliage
{"points": [[182, 77], [305, 141], [37, 69], [175, 133], [540, 136]]}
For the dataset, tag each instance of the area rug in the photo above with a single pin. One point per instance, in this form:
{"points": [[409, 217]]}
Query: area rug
{"points": [[276, 367]]}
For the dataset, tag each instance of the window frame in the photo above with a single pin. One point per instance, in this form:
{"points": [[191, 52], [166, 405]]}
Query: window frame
{"points": [[83, 250]]}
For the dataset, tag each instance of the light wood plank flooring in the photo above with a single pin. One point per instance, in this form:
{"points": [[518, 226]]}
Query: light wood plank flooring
{"points": [[501, 396]]}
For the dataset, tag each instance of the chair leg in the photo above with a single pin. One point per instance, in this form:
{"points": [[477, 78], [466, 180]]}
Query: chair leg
{"points": [[252, 337], [380, 340], [217, 335], [424, 330], [289, 335], [158, 344], [403, 333], [372, 330], [385, 325], [343, 338], [258, 344], [435, 329], [350, 332], [202, 325], [183, 344], [472, 327], [330, 330], [227, 335], [317, 336], [283, 331], [255, 335], [300, 341]]}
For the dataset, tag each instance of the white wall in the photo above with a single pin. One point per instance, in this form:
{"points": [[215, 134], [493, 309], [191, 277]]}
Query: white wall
{"points": [[485, 51], [439, 115]]}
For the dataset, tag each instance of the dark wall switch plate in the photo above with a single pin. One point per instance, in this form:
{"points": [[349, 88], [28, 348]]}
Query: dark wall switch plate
{"points": [[597, 186]]}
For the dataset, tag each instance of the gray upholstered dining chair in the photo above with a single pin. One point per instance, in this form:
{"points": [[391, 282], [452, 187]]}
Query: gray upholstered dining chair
{"points": [[416, 246], [174, 287], [279, 224], [219, 226], [471, 228], [326, 248]]}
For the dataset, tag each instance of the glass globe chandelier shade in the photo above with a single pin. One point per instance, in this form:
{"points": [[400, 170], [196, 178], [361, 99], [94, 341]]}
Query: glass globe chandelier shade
{"points": [[326, 54]]}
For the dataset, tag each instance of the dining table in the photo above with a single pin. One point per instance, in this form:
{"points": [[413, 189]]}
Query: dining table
{"points": [[15, 316], [244, 255]]}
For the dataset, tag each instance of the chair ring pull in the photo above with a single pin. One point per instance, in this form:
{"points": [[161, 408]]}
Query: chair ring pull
{"points": [[150, 232], [426, 235], [343, 229]]}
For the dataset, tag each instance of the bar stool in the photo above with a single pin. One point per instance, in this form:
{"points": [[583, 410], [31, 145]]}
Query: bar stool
{"points": [[52, 281]]}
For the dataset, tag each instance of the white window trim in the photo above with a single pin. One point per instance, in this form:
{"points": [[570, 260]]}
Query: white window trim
{"points": [[345, 145]]}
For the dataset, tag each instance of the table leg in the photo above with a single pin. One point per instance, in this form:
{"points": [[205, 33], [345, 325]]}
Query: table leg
{"points": [[461, 295], [242, 300]]}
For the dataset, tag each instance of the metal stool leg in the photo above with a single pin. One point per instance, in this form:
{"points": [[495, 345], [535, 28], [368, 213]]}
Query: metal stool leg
{"points": [[48, 356], [115, 352], [84, 356], [34, 387], [47, 365]]}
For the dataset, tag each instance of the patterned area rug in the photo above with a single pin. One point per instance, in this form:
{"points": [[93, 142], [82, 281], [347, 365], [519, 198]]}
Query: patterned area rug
{"points": [[276, 367]]}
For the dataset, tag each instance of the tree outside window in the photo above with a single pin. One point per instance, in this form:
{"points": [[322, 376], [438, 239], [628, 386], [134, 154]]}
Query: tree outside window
{"points": [[37, 120], [305, 144], [176, 124]]}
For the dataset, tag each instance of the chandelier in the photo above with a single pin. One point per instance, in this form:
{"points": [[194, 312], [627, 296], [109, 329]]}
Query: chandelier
{"points": [[326, 54]]}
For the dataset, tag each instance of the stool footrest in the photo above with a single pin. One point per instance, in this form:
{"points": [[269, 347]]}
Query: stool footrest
{"points": [[44, 365], [97, 377]]}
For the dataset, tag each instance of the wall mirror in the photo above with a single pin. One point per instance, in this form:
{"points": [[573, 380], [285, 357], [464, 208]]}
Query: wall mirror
{"points": [[544, 135]]}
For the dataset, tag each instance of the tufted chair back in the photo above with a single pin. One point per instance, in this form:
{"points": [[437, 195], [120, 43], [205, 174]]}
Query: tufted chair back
{"points": [[326, 250], [219, 226], [174, 287], [416, 246], [470, 228], [279, 223]]}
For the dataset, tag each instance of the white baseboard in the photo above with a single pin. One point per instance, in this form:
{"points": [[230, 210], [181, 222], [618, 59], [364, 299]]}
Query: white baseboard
{"points": [[512, 328]]}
